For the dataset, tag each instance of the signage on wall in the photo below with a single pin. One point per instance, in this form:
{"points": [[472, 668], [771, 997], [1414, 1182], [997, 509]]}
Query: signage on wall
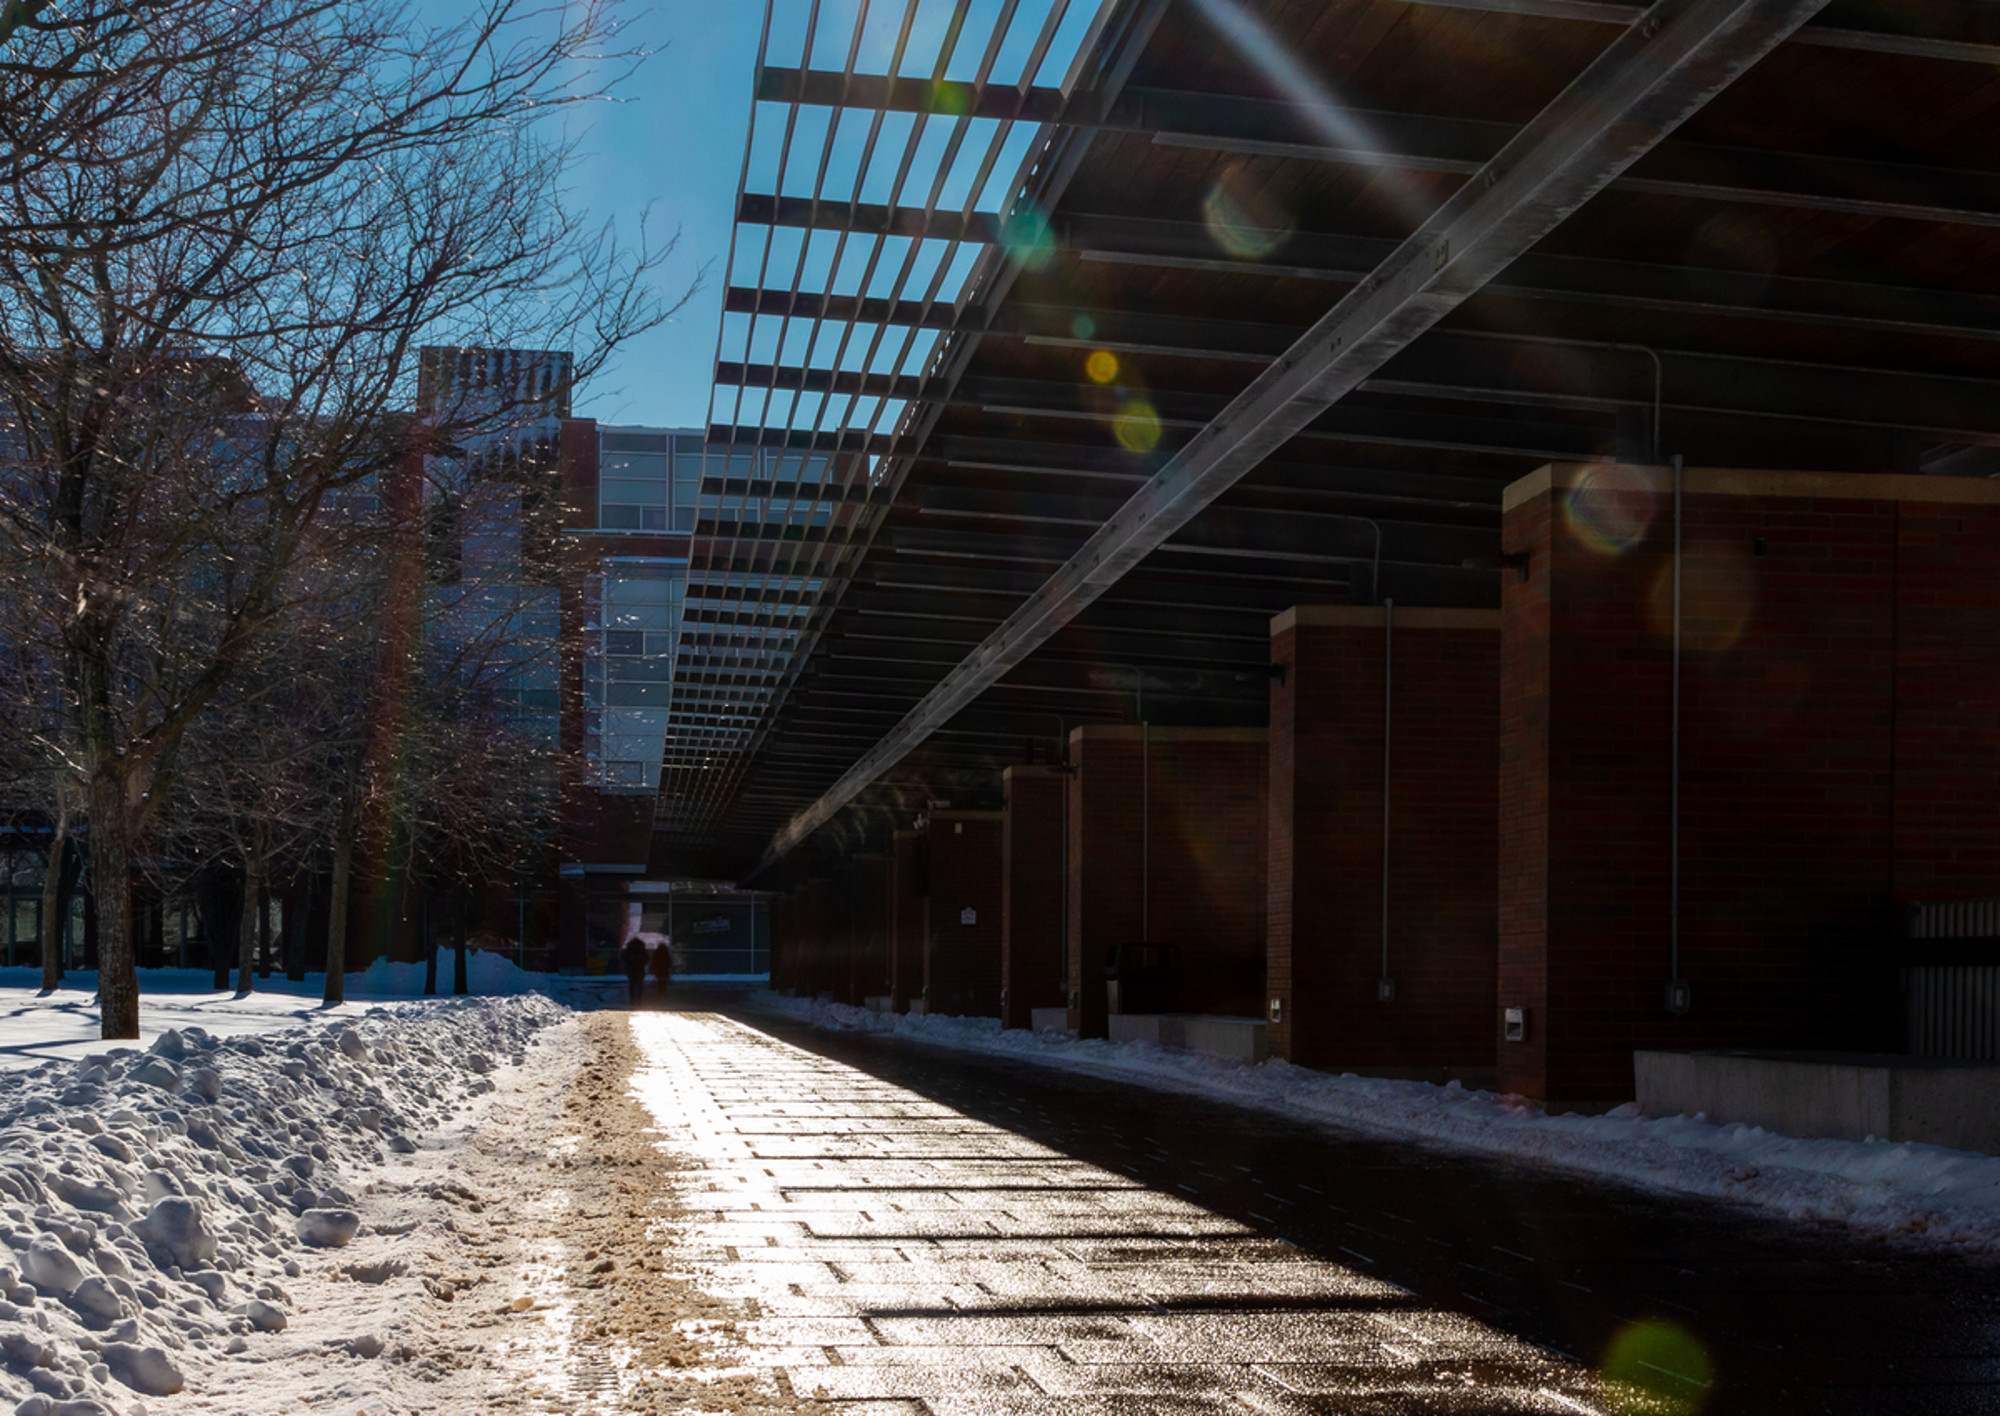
{"points": [[968, 915]]}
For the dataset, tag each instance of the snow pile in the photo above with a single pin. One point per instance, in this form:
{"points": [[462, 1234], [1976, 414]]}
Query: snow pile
{"points": [[151, 1201], [64, 1024], [1915, 1191]]}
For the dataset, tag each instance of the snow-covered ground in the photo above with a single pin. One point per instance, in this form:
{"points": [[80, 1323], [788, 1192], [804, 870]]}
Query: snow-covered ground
{"points": [[159, 1205], [1925, 1194], [35, 1027]]}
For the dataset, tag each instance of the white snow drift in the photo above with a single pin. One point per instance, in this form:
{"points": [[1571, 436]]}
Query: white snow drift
{"points": [[151, 1201], [1917, 1192]]}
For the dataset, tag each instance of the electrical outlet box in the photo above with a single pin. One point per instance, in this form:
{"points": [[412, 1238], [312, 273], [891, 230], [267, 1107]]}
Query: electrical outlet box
{"points": [[1385, 990], [1680, 997], [1514, 1024], [1277, 1010]]}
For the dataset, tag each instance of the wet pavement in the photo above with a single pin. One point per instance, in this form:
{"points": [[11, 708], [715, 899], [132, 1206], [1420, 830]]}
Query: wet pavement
{"points": [[930, 1232]]}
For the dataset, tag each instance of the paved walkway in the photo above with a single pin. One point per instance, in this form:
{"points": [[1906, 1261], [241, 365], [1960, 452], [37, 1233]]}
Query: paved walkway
{"points": [[907, 1256]]}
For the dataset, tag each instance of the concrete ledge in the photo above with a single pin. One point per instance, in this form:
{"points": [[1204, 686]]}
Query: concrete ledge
{"points": [[877, 1002], [1241, 1038], [1845, 1096], [1048, 1020], [918, 1007]]}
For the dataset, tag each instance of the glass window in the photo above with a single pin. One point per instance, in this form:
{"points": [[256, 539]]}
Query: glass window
{"points": [[638, 695], [625, 642], [635, 491], [619, 518]]}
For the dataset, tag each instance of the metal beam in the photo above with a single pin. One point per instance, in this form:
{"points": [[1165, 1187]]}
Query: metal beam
{"points": [[1589, 280], [1616, 12], [1516, 370], [1643, 86], [1422, 142]]}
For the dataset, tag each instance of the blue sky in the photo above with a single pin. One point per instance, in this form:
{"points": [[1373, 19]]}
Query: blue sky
{"points": [[671, 147], [674, 143]]}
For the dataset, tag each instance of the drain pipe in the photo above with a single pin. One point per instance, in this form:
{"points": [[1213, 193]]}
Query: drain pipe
{"points": [[1385, 986], [1679, 997], [1145, 818], [1063, 766]]}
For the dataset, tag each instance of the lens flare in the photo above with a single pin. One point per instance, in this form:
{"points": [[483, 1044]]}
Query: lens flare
{"points": [[951, 99], [1718, 596], [1609, 506], [1028, 239], [1083, 327], [1241, 220], [1101, 366], [1656, 1366], [1136, 426], [1332, 121]]}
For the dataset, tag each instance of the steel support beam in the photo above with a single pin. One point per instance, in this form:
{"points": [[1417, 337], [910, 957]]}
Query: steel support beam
{"points": [[1588, 280], [1518, 371], [1422, 142], [1619, 12], [1645, 84]]}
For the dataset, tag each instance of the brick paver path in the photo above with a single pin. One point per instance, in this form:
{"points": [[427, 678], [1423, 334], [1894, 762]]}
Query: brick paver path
{"points": [[904, 1256]]}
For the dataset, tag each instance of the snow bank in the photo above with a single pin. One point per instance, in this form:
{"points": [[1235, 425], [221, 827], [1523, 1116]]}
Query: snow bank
{"points": [[64, 1024], [151, 1201], [1916, 1192]]}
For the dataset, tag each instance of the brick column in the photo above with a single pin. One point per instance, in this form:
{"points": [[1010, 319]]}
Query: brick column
{"points": [[869, 927], [815, 922], [1203, 892], [780, 926], [1947, 809], [909, 884], [1839, 668], [1326, 859], [1032, 870], [963, 913]]}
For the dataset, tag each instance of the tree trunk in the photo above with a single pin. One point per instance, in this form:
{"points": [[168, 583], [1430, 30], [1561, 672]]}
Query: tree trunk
{"points": [[336, 919], [430, 948], [111, 875], [264, 932], [458, 912], [246, 926], [52, 969], [222, 922]]}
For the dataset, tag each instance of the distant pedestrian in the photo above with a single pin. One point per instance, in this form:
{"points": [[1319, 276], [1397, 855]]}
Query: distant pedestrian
{"points": [[663, 966], [635, 969]]}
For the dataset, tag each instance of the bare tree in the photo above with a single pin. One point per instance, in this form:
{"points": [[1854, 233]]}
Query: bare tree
{"points": [[222, 241]]}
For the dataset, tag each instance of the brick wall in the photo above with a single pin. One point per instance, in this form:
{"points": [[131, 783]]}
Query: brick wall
{"points": [[784, 943], [1838, 754], [1325, 900], [962, 960], [908, 885], [868, 927], [1032, 967], [1203, 890], [1947, 668], [816, 914]]}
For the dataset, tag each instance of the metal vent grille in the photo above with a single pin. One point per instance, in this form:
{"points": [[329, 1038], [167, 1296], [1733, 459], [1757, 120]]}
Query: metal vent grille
{"points": [[1955, 1010], [1954, 919]]}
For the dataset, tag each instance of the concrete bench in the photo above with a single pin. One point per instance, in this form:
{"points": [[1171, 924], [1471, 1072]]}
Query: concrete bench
{"points": [[1845, 1096], [1048, 1020], [1243, 1039]]}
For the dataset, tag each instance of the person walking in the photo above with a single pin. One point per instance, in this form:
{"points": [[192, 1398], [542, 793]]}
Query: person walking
{"points": [[663, 965], [635, 969]]}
